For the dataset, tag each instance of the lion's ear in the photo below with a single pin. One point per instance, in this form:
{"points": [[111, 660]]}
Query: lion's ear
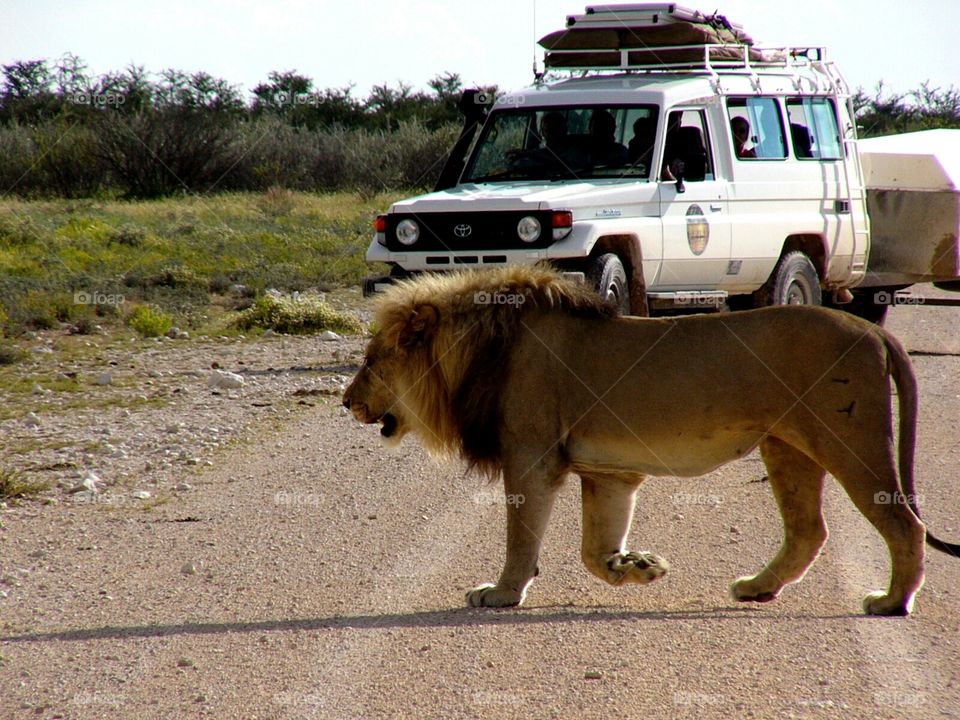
{"points": [[420, 326]]}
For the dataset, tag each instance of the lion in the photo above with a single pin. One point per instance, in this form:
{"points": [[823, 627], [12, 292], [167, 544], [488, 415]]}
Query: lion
{"points": [[531, 377]]}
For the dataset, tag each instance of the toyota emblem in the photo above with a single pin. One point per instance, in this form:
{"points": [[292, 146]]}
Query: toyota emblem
{"points": [[462, 231]]}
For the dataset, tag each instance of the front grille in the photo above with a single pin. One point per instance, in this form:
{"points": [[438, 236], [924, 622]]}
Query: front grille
{"points": [[445, 231]]}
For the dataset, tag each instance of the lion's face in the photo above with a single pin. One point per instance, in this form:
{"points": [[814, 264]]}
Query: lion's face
{"points": [[376, 393]]}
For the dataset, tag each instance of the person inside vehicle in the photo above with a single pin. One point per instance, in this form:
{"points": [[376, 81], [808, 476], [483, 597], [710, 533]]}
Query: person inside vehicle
{"points": [[604, 148], [549, 155], [741, 135], [553, 132], [640, 149]]}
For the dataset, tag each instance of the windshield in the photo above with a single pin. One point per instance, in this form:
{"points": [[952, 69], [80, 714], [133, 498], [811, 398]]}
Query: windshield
{"points": [[565, 143]]}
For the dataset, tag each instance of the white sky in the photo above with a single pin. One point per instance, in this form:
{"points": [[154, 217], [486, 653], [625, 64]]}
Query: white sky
{"points": [[488, 42]]}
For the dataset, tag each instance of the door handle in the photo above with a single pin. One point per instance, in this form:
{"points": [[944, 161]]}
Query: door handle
{"points": [[716, 207]]}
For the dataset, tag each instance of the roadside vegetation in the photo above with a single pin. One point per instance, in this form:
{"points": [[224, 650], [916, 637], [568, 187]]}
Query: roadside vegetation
{"points": [[189, 261]]}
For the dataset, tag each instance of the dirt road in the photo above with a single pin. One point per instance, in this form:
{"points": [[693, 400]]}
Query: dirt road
{"points": [[311, 574]]}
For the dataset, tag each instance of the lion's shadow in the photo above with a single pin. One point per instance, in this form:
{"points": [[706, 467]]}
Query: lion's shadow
{"points": [[428, 619]]}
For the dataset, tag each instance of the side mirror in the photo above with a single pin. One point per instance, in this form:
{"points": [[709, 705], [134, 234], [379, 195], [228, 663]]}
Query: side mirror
{"points": [[677, 168]]}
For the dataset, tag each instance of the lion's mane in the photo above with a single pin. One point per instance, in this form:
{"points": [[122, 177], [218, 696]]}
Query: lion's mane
{"points": [[455, 332]]}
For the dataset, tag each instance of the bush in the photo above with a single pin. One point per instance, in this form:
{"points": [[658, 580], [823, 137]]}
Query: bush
{"points": [[301, 316], [10, 355], [67, 163], [18, 152], [277, 201], [13, 485], [150, 321], [168, 150]]}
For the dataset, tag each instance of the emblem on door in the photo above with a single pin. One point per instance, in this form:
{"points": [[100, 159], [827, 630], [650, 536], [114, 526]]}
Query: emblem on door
{"points": [[698, 230]]}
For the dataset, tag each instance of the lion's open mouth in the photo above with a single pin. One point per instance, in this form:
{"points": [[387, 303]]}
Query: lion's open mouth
{"points": [[389, 425]]}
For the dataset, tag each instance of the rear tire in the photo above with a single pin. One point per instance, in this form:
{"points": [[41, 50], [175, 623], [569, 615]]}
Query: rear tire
{"points": [[609, 279], [794, 282]]}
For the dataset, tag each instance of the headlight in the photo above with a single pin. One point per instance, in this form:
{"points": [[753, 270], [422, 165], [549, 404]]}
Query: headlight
{"points": [[528, 229], [408, 232]]}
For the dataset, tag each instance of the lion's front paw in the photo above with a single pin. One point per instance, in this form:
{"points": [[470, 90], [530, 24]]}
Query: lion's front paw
{"points": [[490, 595], [636, 567]]}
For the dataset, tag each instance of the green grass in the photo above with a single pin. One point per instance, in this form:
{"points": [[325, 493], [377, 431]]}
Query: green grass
{"points": [[90, 261]]}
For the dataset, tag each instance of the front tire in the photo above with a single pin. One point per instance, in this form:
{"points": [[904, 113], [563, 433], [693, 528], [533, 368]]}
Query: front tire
{"points": [[609, 279], [794, 282]]}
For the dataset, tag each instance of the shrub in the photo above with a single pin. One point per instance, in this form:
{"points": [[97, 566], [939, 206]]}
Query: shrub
{"points": [[301, 316], [67, 161], [277, 201], [14, 485], [130, 235], [19, 153], [10, 355], [150, 321]]}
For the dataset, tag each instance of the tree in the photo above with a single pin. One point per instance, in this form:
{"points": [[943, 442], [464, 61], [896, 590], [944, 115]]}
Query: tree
{"points": [[922, 109], [26, 93]]}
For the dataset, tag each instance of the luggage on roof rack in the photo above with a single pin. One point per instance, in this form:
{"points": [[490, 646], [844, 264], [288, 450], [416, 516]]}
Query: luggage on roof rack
{"points": [[648, 36]]}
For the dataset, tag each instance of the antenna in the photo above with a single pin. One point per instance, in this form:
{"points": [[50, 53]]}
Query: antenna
{"points": [[537, 76]]}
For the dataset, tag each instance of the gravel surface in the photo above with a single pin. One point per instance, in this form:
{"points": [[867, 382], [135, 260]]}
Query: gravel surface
{"points": [[278, 563]]}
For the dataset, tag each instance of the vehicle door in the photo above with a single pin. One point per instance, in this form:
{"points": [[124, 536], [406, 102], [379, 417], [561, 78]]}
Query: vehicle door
{"points": [[693, 206]]}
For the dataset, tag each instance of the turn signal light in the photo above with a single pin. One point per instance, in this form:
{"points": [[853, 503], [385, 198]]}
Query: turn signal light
{"points": [[562, 222]]}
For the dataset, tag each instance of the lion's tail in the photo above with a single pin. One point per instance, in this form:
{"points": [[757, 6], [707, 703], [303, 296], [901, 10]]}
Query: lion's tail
{"points": [[906, 384]]}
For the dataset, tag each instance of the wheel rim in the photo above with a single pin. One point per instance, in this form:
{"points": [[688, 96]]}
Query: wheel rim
{"points": [[798, 292], [616, 296]]}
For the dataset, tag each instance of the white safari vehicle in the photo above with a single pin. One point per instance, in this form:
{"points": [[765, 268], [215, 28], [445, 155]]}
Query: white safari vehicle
{"points": [[683, 167]]}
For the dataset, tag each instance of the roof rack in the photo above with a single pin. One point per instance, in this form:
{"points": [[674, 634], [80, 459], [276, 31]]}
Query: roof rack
{"points": [[712, 58]]}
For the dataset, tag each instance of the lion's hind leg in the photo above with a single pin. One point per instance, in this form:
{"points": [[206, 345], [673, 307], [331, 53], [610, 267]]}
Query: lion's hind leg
{"points": [[797, 484], [876, 492], [607, 512]]}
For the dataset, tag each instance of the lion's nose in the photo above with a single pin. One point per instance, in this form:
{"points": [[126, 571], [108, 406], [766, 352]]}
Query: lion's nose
{"points": [[346, 403]]}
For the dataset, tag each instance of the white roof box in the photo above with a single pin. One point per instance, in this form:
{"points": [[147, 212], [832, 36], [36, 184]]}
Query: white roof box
{"points": [[928, 160], [637, 15]]}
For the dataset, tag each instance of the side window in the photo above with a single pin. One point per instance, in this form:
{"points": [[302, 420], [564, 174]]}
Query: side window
{"points": [[687, 147], [813, 128], [756, 127], [642, 123]]}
